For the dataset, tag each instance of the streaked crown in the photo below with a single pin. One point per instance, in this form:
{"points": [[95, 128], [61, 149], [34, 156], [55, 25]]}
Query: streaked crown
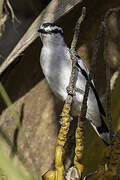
{"points": [[50, 28]]}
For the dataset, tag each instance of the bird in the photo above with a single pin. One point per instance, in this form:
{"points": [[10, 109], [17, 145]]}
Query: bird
{"points": [[56, 63]]}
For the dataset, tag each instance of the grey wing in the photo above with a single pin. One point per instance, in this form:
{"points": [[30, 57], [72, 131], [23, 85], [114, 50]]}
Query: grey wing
{"points": [[84, 70]]}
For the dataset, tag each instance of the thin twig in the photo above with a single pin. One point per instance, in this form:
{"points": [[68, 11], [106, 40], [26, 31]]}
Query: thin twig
{"points": [[84, 103], [72, 52], [77, 29], [91, 74], [106, 57], [96, 49], [11, 10], [108, 90], [113, 79]]}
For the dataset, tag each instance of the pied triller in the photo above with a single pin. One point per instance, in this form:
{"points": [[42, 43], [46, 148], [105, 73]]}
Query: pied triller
{"points": [[56, 64]]}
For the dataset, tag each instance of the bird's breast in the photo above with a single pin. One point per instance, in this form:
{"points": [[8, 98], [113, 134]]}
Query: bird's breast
{"points": [[57, 69]]}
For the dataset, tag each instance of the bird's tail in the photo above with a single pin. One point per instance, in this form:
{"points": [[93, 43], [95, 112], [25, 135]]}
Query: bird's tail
{"points": [[102, 131]]}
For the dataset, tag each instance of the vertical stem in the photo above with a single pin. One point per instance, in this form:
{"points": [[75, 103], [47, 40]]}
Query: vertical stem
{"points": [[8, 102], [106, 57], [79, 147], [1, 7]]}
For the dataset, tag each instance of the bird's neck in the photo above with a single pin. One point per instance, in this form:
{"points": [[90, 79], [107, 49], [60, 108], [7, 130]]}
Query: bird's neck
{"points": [[53, 42]]}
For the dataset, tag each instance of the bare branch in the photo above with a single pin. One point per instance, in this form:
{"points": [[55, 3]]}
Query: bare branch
{"points": [[72, 51], [106, 57], [77, 29], [11, 10], [113, 79], [95, 49], [109, 115]]}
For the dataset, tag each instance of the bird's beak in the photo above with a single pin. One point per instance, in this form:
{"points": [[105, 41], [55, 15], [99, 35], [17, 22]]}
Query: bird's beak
{"points": [[40, 30]]}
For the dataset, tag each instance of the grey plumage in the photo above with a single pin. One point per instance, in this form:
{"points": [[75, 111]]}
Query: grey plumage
{"points": [[57, 66]]}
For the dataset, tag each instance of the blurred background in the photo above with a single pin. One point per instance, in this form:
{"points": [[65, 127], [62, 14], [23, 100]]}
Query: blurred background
{"points": [[29, 92]]}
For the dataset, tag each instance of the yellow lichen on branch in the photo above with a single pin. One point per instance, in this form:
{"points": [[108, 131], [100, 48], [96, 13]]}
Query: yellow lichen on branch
{"points": [[79, 147], [62, 138]]}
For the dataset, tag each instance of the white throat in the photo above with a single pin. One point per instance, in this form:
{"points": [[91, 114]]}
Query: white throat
{"points": [[53, 40]]}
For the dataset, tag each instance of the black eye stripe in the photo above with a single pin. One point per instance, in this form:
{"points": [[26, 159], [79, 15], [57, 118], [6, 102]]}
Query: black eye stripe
{"points": [[54, 31], [57, 31]]}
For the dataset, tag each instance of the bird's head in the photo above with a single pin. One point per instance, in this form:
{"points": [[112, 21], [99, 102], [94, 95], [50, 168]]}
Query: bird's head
{"points": [[50, 32]]}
